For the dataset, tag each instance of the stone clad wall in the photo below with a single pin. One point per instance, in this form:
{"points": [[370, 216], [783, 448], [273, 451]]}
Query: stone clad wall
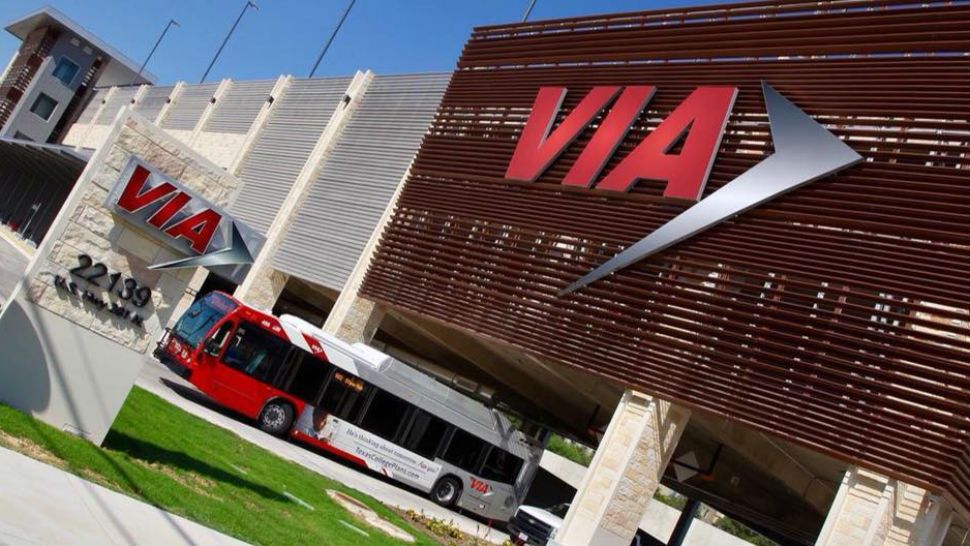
{"points": [[219, 148], [92, 229]]}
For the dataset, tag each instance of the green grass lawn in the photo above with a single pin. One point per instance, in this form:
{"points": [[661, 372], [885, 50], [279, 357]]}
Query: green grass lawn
{"points": [[160, 454]]}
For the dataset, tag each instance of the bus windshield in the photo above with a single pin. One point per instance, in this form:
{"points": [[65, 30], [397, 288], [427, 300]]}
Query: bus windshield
{"points": [[199, 319]]}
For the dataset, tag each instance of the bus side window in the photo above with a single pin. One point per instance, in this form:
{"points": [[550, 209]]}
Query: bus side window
{"points": [[501, 466], [344, 396], [465, 451], [307, 377], [425, 434], [384, 414]]}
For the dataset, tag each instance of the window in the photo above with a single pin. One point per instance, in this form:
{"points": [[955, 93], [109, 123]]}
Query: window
{"points": [[44, 106], [425, 434], [256, 353], [344, 396], [464, 451], [201, 317], [501, 466], [222, 334], [307, 374], [385, 414], [65, 70]]}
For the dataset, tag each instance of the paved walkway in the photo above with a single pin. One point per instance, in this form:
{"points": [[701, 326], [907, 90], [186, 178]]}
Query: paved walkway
{"points": [[43, 506], [13, 260], [157, 379]]}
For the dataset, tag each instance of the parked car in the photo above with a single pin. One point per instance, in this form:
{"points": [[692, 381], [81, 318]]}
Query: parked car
{"points": [[534, 526]]}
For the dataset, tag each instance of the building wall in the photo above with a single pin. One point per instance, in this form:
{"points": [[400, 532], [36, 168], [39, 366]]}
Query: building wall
{"points": [[281, 150], [150, 105], [95, 121], [186, 111], [220, 148], [230, 125], [359, 177], [798, 317], [33, 126]]}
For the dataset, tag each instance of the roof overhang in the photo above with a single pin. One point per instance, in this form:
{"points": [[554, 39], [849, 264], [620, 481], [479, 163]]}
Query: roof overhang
{"points": [[49, 16]]}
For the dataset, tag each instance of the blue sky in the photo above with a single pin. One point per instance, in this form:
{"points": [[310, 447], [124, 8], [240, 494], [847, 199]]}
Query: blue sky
{"points": [[285, 36]]}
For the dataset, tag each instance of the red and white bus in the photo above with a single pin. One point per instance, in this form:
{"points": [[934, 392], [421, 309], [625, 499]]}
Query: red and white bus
{"points": [[355, 402]]}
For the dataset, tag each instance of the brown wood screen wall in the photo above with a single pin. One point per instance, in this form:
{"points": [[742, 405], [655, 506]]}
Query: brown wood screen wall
{"points": [[835, 316]]}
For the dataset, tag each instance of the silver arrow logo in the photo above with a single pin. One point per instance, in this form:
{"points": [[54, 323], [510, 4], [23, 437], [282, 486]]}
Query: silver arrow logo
{"points": [[804, 152], [238, 253]]}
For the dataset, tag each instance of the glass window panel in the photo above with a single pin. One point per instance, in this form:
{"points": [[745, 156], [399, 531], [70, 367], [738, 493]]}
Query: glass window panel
{"points": [[425, 434], [501, 466], [385, 415], [44, 106], [465, 451], [65, 70]]}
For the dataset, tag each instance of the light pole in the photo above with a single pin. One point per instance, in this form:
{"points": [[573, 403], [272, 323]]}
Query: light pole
{"points": [[249, 4], [528, 10], [332, 36], [152, 52]]}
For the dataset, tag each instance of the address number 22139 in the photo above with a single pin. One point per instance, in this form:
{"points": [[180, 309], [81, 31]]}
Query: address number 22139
{"points": [[125, 288]]}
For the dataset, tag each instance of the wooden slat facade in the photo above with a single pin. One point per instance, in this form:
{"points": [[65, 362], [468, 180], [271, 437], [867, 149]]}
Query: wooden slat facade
{"points": [[835, 316]]}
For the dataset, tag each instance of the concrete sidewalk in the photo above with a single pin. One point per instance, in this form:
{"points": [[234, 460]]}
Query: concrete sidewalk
{"points": [[14, 256], [43, 506]]}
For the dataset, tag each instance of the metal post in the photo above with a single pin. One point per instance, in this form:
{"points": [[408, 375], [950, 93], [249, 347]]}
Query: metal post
{"points": [[528, 10], [30, 219], [332, 36], [679, 533], [249, 4], [152, 52]]}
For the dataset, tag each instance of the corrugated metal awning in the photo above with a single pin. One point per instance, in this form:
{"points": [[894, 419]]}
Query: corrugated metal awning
{"points": [[35, 179]]}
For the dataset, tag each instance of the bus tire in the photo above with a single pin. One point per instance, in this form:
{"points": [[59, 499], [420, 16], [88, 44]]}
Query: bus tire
{"points": [[446, 491], [276, 418]]}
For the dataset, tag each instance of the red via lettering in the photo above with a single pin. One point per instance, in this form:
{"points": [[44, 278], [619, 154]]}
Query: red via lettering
{"points": [[197, 229], [697, 124], [479, 485], [135, 197]]}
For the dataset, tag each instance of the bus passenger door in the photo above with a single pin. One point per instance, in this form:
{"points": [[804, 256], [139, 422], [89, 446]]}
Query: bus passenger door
{"points": [[242, 380]]}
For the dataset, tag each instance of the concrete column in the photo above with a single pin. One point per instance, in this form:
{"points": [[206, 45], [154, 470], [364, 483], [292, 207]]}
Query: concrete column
{"points": [[263, 284], [355, 319], [224, 86], [874, 510], [83, 138], [357, 323], [172, 98], [259, 123], [624, 473]]}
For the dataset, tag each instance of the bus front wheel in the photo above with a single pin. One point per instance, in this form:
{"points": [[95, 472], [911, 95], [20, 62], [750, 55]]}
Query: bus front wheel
{"points": [[276, 418], [446, 491]]}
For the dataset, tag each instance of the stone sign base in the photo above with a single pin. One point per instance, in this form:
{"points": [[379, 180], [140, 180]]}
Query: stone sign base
{"points": [[79, 324], [69, 377]]}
